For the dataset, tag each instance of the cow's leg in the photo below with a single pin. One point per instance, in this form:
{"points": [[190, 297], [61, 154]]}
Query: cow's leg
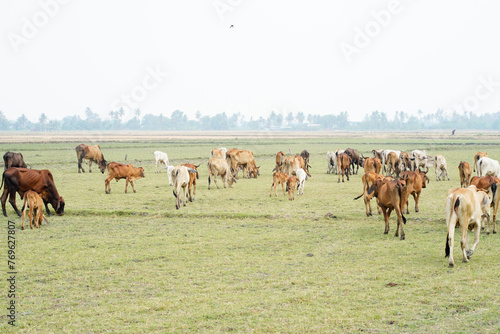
{"points": [[495, 208], [194, 191], [107, 186], [386, 220], [399, 216], [451, 237], [416, 197], [184, 198], [477, 231], [132, 184], [90, 166], [368, 205], [23, 216], [156, 166], [46, 207], [208, 181], [4, 200], [464, 239], [215, 181], [275, 191], [12, 201]]}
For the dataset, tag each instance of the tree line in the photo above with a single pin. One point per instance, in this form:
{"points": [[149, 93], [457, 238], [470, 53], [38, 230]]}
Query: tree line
{"points": [[178, 120]]}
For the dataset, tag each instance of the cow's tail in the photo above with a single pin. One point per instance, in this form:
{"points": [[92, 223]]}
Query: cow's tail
{"points": [[355, 198], [402, 198], [451, 225], [494, 188]]}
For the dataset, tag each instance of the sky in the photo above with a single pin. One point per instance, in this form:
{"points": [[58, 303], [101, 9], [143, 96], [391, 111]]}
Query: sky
{"points": [[253, 57]]}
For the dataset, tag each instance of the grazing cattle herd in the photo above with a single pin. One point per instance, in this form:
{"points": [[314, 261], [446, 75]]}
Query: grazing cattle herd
{"points": [[405, 174]]}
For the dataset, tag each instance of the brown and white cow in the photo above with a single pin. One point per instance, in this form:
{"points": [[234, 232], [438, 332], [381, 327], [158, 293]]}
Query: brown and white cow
{"points": [[277, 179], [120, 171], [478, 156], [464, 171], [391, 196], [34, 202], [12, 159], [343, 163], [368, 178], [92, 154], [467, 207], [220, 167], [490, 184]]}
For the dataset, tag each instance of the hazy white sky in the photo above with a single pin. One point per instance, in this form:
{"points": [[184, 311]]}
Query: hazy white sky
{"points": [[321, 57]]}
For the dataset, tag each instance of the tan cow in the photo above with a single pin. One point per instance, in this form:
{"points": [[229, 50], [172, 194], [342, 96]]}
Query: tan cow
{"points": [[372, 165], [392, 164], [404, 161], [478, 156], [368, 178], [277, 179], [343, 163], [415, 181], [236, 158], [218, 153], [220, 167], [34, 202], [441, 168], [280, 162], [92, 154], [292, 164], [464, 171], [467, 207], [391, 196], [180, 177], [119, 171], [291, 184], [490, 184]]}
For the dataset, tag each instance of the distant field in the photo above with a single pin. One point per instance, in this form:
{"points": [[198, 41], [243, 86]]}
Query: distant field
{"points": [[237, 260]]}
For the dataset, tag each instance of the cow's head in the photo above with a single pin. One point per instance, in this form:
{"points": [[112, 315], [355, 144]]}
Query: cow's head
{"points": [[141, 171], [102, 165], [170, 169], [60, 206]]}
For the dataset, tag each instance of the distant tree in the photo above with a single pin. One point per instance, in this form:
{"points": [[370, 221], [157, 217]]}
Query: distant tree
{"points": [[22, 123], [178, 119], [289, 118], [4, 122], [300, 117]]}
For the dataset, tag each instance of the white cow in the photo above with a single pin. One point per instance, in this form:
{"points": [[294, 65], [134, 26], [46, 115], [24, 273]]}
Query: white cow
{"points": [[301, 180], [180, 178], [419, 159], [160, 157], [488, 166], [331, 162], [467, 207], [169, 173], [441, 167]]}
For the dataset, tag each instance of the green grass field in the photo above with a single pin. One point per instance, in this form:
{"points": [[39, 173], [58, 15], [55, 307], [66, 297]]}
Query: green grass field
{"points": [[237, 260]]}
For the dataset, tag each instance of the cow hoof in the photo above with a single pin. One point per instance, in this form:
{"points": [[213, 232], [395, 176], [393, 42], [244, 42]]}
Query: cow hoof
{"points": [[386, 232], [494, 232], [22, 227], [135, 191], [402, 237], [469, 253], [487, 232], [451, 265]]}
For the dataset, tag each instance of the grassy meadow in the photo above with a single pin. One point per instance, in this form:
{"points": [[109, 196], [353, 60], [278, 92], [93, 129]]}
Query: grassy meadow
{"points": [[237, 260]]}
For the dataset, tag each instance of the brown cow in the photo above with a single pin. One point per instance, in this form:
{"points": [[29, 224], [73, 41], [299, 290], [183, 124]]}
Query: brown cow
{"points": [[490, 184], [119, 171], [372, 165], [220, 167], [21, 180], [305, 155], [343, 163], [12, 159], [368, 179], [465, 173], [478, 156], [192, 180], [415, 181], [356, 159], [291, 184], [277, 179], [393, 164], [92, 154], [280, 162], [391, 196], [34, 202], [292, 164]]}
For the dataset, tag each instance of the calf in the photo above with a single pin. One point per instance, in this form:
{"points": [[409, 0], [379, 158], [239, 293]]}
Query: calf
{"points": [[160, 157], [467, 207], [490, 184], [368, 179], [291, 184], [390, 195], [465, 173], [301, 179], [34, 202], [119, 171], [441, 168], [277, 179]]}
